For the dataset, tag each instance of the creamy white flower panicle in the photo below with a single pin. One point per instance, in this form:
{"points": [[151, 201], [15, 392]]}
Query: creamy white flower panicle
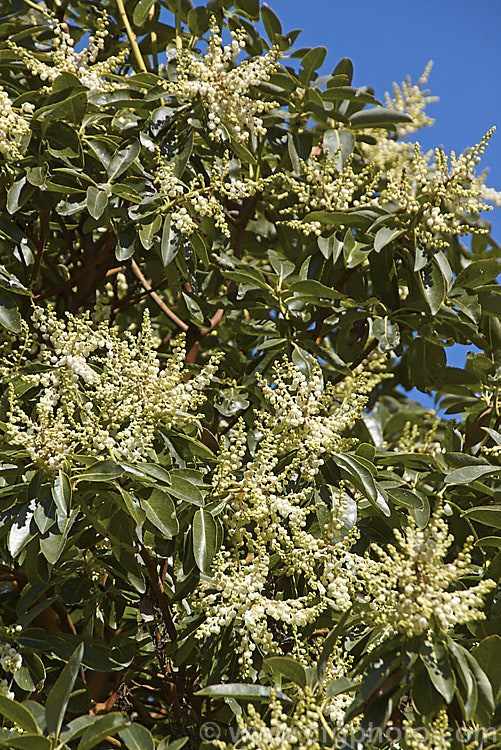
{"points": [[63, 57], [14, 127], [189, 203], [222, 84], [10, 662], [100, 394], [268, 504], [411, 585]]}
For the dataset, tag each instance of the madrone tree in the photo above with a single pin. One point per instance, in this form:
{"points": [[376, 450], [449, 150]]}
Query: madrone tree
{"points": [[223, 524]]}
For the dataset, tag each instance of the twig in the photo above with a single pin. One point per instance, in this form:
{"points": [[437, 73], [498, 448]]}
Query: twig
{"points": [[159, 594], [156, 298]]}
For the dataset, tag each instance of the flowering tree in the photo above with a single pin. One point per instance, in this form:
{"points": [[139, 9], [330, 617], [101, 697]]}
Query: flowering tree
{"points": [[223, 524]]}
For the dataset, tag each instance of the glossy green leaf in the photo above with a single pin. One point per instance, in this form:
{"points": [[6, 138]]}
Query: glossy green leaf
{"points": [[59, 695], [378, 117], [271, 23], [436, 661], [384, 236], [287, 667], [387, 334], [9, 314], [339, 145], [122, 159], [142, 11], [204, 539], [136, 737], [27, 742], [19, 714], [100, 729], [97, 200], [432, 284], [160, 510], [170, 241], [490, 515], [468, 474]]}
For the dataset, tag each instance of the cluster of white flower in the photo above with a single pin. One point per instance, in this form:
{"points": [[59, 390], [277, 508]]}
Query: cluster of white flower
{"points": [[99, 393], [10, 661], [413, 441], [322, 186], [409, 587], [64, 58], [191, 203], [268, 504], [14, 128], [434, 735], [411, 99], [221, 84]]}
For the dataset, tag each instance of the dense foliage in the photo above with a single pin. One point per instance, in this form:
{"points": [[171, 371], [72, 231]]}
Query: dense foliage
{"points": [[222, 521]]}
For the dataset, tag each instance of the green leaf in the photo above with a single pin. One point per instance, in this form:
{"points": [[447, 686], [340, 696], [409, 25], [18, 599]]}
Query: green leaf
{"points": [[101, 471], [434, 657], [384, 236], [147, 232], [52, 545], [14, 195], [19, 714], [76, 727], [241, 691], [313, 60], [160, 510], [467, 474], [198, 20], [425, 698], [457, 653], [59, 696], [142, 11], [21, 532], [339, 686], [271, 22], [358, 219], [169, 244], [490, 515], [387, 334], [359, 472], [182, 488], [288, 668], [27, 742], [432, 284], [339, 144], [347, 93], [250, 275], [489, 541], [315, 289], [378, 117], [487, 655], [485, 703], [97, 200], [242, 152], [61, 492], [330, 247], [100, 729], [121, 159], [136, 737], [478, 272], [204, 539], [9, 314]]}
